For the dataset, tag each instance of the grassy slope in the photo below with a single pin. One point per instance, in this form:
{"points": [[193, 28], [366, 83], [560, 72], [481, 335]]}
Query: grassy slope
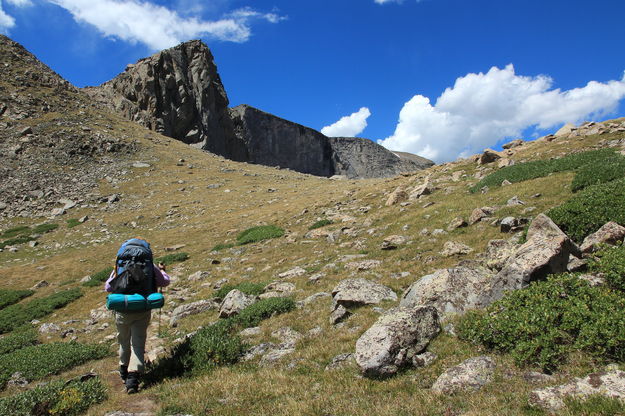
{"points": [[168, 212]]}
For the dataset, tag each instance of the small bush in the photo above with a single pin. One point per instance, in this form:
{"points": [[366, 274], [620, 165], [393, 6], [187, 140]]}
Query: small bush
{"points": [[263, 309], [98, 278], [16, 241], [17, 340], [541, 168], [320, 223], [590, 209], [220, 247], [72, 222], [541, 324], [16, 315], [248, 288], [24, 234], [9, 297], [39, 361], [55, 398], [172, 258], [611, 263], [260, 233], [12, 232]]}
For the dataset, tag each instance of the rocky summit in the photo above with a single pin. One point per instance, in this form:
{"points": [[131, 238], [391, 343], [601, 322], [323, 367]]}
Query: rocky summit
{"points": [[178, 92], [474, 287]]}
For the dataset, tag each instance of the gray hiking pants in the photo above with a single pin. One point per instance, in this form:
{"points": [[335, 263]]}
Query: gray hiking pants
{"points": [[132, 329]]}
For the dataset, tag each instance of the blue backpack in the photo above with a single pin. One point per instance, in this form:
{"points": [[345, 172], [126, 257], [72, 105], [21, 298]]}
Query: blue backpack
{"points": [[134, 269]]}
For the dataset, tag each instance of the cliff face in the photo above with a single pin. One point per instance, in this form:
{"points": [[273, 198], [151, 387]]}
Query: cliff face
{"points": [[272, 141], [179, 93], [361, 158], [176, 92]]}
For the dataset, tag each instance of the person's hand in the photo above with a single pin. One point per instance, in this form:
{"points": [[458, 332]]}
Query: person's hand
{"points": [[161, 266]]}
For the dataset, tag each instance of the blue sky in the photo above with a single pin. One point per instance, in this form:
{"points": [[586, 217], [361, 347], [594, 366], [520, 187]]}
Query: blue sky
{"points": [[441, 78]]}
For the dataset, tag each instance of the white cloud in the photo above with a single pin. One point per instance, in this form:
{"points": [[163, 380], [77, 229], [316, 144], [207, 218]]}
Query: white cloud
{"points": [[348, 126], [387, 1], [20, 3], [156, 26], [7, 21], [481, 109]]}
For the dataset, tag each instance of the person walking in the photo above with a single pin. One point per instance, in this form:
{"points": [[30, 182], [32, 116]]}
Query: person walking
{"points": [[134, 264]]}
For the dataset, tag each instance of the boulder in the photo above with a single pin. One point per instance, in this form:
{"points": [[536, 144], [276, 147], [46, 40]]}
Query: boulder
{"points": [[339, 314], [456, 223], [546, 251], [449, 291], [294, 272], [513, 144], [395, 339], [393, 241], [397, 196], [470, 375], [355, 292], [609, 233], [479, 213], [505, 162], [278, 290], [607, 384], [453, 248], [234, 302], [488, 156], [191, 309], [363, 265], [426, 188], [497, 253], [565, 130]]}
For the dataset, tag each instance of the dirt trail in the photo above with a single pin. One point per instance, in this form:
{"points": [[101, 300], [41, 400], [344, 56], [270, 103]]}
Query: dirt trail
{"points": [[143, 403]]}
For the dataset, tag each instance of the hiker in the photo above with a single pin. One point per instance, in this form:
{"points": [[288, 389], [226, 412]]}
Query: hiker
{"points": [[134, 274]]}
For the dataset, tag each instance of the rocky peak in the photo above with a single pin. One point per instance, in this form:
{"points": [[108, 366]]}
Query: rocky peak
{"points": [[176, 92]]}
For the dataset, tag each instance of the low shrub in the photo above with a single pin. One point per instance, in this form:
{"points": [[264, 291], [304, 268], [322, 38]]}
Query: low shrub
{"points": [[541, 168], [9, 297], [597, 173], [23, 234], [172, 258], [217, 344], [320, 223], [248, 288], [16, 315], [16, 241], [18, 339], [541, 324], [98, 278], [260, 233], [56, 398], [610, 262], [39, 361], [263, 309], [590, 209], [45, 228], [12, 232]]}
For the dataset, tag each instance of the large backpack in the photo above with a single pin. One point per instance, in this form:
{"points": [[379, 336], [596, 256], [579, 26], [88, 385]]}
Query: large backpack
{"points": [[134, 269]]}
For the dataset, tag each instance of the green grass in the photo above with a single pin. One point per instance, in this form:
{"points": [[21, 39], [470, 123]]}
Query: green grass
{"points": [[98, 278], [45, 228], [249, 288], [16, 315], [597, 173], [542, 324], [23, 234], [18, 339], [72, 222], [9, 297], [222, 246], [590, 209], [12, 232], [541, 168], [172, 258], [320, 223], [260, 233], [56, 398], [596, 405], [39, 361]]}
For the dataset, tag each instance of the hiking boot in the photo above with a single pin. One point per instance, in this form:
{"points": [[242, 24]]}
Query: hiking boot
{"points": [[123, 372], [132, 382]]}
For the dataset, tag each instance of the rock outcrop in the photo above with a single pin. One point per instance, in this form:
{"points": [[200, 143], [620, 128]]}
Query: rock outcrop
{"points": [[472, 374], [178, 92]]}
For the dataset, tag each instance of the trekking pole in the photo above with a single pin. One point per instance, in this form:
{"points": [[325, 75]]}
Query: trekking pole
{"points": [[160, 311]]}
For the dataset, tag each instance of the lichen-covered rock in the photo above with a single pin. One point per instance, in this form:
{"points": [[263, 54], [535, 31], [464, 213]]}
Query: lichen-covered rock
{"points": [[489, 156], [395, 339], [453, 248], [234, 302], [608, 384], [472, 374], [609, 233], [397, 196], [479, 213], [353, 292], [192, 308], [450, 291]]}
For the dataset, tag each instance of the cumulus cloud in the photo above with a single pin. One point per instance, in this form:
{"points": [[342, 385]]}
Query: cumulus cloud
{"points": [[348, 126], [157, 26], [481, 109]]}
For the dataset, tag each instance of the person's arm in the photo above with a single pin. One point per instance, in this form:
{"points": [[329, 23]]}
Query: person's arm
{"points": [[160, 276], [107, 285]]}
